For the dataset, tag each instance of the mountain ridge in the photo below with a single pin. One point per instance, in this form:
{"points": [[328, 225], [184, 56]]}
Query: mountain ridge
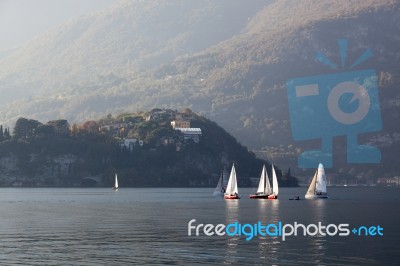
{"points": [[238, 81]]}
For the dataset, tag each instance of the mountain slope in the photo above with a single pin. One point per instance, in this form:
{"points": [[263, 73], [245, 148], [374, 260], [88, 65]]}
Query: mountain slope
{"points": [[238, 78], [289, 52], [130, 36]]}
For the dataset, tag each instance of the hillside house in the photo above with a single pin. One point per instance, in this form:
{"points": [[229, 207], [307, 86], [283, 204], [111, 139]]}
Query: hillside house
{"points": [[180, 123], [193, 134]]}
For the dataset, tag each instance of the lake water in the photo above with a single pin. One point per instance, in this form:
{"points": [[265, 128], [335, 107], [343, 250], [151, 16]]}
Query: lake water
{"points": [[150, 226]]}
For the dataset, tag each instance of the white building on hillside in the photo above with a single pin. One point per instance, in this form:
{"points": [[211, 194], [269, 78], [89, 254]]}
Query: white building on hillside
{"points": [[190, 133]]}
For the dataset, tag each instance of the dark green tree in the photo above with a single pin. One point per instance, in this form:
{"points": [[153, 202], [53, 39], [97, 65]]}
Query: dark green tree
{"points": [[45, 131], [1, 133], [25, 128], [61, 126], [7, 134]]}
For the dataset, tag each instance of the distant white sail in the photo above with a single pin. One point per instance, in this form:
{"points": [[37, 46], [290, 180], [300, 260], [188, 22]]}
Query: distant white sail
{"points": [[232, 187], [321, 179], [219, 185], [220, 189], [116, 181], [264, 186], [317, 189], [311, 188], [275, 188]]}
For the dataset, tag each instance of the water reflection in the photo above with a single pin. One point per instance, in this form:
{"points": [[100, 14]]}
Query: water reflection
{"points": [[232, 215], [318, 242], [232, 210], [318, 209], [274, 217], [263, 209], [268, 210], [268, 247]]}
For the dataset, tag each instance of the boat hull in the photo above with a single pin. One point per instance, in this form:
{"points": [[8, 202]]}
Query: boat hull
{"points": [[316, 196], [115, 188], [262, 196], [231, 197]]}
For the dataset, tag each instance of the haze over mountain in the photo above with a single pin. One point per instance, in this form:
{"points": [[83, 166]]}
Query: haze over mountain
{"points": [[23, 20], [229, 60]]}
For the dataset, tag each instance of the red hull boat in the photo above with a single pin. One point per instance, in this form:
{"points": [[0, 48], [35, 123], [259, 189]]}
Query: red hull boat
{"points": [[231, 197], [263, 196], [231, 191], [264, 190]]}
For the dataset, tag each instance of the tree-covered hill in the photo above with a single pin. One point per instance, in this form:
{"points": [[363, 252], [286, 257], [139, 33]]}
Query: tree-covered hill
{"points": [[143, 148]]}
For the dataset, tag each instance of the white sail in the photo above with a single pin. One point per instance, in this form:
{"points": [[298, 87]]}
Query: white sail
{"points": [[264, 186], [261, 182], [311, 188], [116, 181], [275, 188], [232, 188], [219, 190], [321, 179], [219, 185]]}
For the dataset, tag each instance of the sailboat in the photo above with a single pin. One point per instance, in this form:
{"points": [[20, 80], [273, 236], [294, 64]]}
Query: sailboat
{"points": [[115, 187], [264, 190], [317, 188], [231, 191], [221, 186], [275, 187]]}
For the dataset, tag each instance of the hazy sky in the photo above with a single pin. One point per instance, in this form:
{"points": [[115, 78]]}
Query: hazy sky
{"points": [[21, 20]]}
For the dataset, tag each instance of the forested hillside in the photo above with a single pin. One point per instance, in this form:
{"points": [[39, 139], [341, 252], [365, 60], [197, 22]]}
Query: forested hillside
{"points": [[142, 148]]}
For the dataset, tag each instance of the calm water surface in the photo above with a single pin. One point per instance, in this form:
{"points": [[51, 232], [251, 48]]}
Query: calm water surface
{"points": [[149, 226]]}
